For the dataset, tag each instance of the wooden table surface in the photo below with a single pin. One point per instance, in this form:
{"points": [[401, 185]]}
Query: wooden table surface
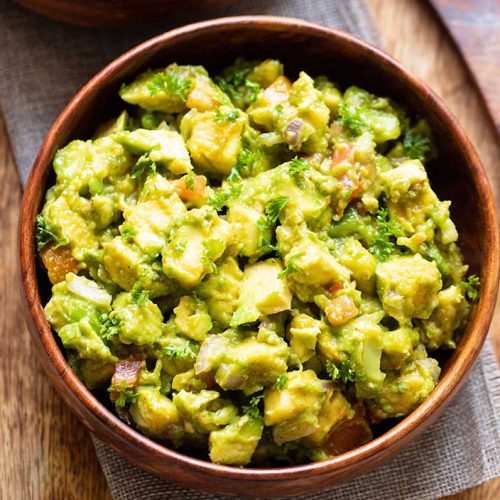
{"points": [[44, 451]]}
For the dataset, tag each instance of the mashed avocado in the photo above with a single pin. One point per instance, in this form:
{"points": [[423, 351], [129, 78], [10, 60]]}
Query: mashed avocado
{"points": [[252, 266]]}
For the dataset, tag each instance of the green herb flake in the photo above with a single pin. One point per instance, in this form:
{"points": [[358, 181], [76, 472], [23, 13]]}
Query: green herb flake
{"points": [[296, 168], [141, 165], [228, 116], [109, 327], [290, 267], [416, 146], [471, 286], [180, 353], [44, 234], [388, 230], [275, 206], [281, 382], [222, 198], [170, 83], [128, 232], [126, 396], [349, 119], [265, 226], [252, 409], [344, 371], [244, 165], [139, 295], [236, 85]]}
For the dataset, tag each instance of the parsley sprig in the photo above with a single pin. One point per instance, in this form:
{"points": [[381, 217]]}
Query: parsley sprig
{"points": [[44, 234], [349, 119], [344, 371], [170, 83], [139, 295], [252, 409], [281, 382], [180, 352], [296, 169], [237, 86], [416, 146], [222, 198], [471, 286], [275, 206], [226, 116], [126, 396], [127, 232], [290, 267], [141, 165], [244, 165], [388, 230]]}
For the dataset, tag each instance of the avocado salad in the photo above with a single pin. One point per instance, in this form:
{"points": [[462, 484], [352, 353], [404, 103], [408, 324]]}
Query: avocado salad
{"points": [[250, 268]]}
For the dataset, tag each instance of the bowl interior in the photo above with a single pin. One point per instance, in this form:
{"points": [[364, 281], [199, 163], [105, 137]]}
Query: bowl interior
{"points": [[300, 47]]}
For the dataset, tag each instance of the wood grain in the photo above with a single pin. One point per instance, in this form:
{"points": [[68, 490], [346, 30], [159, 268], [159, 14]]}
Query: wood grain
{"points": [[44, 452], [475, 26]]}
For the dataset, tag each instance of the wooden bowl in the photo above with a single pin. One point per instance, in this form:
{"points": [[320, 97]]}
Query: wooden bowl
{"points": [[457, 175], [101, 13]]}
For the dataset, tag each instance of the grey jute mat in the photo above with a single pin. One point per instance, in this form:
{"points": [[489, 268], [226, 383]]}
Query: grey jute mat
{"points": [[43, 63]]}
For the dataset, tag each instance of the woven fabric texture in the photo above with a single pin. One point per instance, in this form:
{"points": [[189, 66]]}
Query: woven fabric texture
{"points": [[44, 63]]}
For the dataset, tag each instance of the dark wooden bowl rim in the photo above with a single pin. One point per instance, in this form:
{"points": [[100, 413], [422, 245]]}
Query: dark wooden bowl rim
{"points": [[380, 447]]}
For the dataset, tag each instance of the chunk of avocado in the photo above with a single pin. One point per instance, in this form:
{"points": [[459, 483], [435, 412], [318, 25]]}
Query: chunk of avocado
{"points": [[235, 444], [408, 287], [263, 292]]}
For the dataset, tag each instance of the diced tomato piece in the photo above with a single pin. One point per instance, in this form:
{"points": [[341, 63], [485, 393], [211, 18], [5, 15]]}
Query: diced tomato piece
{"points": [[58, 262], [333, 289], [340, 310], [344, 152], [191, 189]]}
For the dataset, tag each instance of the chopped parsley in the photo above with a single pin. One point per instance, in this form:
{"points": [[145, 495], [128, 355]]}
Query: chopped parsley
{"points": [[222, 198], [290, 267], [350, 119], [252, 409], [139, 295], [296, 167], [387, 231], [244, 165], [170, 83], [236, 85], [109, 327], [228, 116], [416, 146], [128, 232], [281, 382], [141, 165], [275, 206], [44, 234], [180, 352], [470, 286], [126, 396], [265, 227], [343, 372]]}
